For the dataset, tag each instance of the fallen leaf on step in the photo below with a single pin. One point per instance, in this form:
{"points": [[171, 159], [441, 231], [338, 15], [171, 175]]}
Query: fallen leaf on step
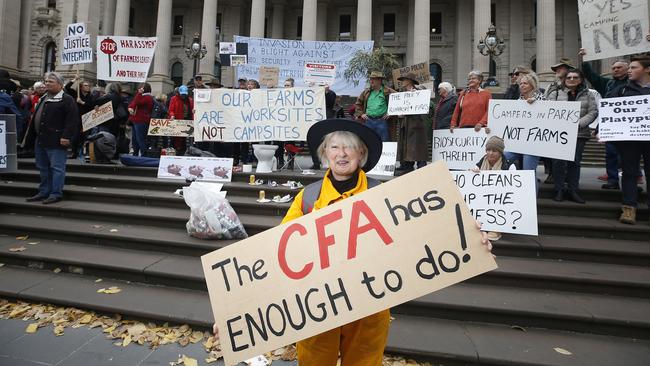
{"points": [[189, 361], [562, 351], [110, 290], [23, 237], [97, 226], [113, 230], [2, 264], [85, 319], [126, 341], [210, 360], [98, 280], [32, 328], [33, 242], [196, 337], [56, 270], [518, 328], [58, 330], [17, 249]]}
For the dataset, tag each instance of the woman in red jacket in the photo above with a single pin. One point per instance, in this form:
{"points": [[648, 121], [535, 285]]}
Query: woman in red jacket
{"points": [[181, 106], [140, 110]]}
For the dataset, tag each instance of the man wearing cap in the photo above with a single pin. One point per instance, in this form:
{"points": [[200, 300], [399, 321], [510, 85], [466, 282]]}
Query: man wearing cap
{"points": [[372, 105], [214, 83], [560, 69], [242, 83]]}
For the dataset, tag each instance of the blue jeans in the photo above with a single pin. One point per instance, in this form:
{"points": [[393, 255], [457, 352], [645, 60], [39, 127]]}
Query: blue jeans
{"points": [[139, 138], [380, 126], [528, 162], [631, 153], [51, 167]]}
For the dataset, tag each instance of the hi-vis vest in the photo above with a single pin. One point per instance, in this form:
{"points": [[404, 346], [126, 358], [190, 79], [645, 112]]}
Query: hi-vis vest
{"points": [[312, 192]]}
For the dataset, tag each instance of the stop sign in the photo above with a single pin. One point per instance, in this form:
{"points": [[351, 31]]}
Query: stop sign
{"points": [[108, 46]]}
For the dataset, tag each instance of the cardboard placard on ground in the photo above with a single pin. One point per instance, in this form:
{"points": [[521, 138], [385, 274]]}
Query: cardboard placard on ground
{"points": [[613, 28], [420, 70], [401, 240], [3, 144], [410, 102], [171, 127], [235, 115], [461, 149], [543, 128], [195, 168], [269, 76], [386, 164], [320, 74], [97, 117], [503, 200], [122, 58], [624, 119]]}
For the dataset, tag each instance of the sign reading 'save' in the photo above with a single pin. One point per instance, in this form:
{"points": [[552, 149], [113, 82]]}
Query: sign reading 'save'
{"points": [[401, 240]]}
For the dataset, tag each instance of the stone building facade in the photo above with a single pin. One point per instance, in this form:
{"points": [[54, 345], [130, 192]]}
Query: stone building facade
{"points": [[443, 33]]}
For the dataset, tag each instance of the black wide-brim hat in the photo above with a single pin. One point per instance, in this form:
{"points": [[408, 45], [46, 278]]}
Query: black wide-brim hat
{"points": [[369, 137]]}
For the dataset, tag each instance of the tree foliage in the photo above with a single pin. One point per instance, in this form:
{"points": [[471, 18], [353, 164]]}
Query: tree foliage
{"points": [[362, 62]]}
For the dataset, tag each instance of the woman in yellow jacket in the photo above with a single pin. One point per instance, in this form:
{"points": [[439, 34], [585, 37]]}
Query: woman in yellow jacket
{"points": [[350, 148]]}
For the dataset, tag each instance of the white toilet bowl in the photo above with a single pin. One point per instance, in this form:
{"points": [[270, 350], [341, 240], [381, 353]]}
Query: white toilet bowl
{"points": [[265, 155]]}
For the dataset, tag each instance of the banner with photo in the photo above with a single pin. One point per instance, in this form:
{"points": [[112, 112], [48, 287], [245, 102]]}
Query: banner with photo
{"points": [[195, 168]]}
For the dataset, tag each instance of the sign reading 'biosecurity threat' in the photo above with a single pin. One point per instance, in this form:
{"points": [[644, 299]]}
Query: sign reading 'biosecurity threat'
{"points": [[398, 241], [124, 58], [235, 115]]}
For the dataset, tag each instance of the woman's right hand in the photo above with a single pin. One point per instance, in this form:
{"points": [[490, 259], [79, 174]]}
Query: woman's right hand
{"points": [[215, 330], [475, 169], [451, 129]]}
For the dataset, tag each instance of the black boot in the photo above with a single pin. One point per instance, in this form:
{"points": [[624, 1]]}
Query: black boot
{"points": [[573, 196], [559, 196]]}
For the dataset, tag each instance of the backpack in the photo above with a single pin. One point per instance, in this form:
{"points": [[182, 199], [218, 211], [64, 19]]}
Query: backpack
{"points": [[158, 110], [312, 192]]}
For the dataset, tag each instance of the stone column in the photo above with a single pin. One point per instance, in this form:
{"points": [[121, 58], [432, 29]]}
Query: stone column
{"points": [[421, 30], [546, 39], [515, 47], [309, 9], [277, 31], [26, 9], [108, 22], [321, 24], [482, 9], [89, 12], [463, 37], [410, 37], [122, 11], [9, 22], [364, 20], [160, 81], [258, 12], [571, 30], [208, 37]]}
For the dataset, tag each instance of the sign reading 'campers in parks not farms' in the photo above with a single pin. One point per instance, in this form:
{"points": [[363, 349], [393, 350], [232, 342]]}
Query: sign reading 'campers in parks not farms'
{"points": [[398, 241], [610, 28], [124, 58]]}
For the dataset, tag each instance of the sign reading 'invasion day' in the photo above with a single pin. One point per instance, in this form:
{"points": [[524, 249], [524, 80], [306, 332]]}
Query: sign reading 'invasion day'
{"points": [[398, 241]]}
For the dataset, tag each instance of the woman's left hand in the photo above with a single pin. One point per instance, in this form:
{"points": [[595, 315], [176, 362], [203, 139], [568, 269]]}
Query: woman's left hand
{"points": [[530, 100], [477, 127]]}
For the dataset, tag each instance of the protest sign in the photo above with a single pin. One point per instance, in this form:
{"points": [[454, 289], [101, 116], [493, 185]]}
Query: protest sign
{"points": [[3, 144], [227, 48], [269, 76], [124, 58], [613, 28], [461, 149], [403, 239], [420, 70], [171, 127], [76, 50], [386, 164], [624, 119], [235, 115], [292, 55], [320, 74], [97, 116], [202, 95], [543, 128], [195, 168], [410, 102], [236, 60], [75, 29], [502, 200]]}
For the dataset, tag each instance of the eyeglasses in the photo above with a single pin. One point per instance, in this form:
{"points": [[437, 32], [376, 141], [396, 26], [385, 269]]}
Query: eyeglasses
{"points": [[516, 73], [573, 77]]}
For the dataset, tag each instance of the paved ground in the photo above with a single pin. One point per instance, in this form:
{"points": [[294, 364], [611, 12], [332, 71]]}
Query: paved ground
{"points": [[86, 347]]}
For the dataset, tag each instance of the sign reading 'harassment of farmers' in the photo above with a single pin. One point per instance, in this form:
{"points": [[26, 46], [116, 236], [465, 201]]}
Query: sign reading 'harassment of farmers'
{"points": [[234, 115], [503, 200], [124, 58], [401, 240], [461, 149], [610, 28], [624, 119], [544, 128]]}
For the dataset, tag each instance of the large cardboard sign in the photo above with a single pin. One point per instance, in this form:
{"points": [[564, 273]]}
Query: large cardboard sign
{"points": [[420, 70], [292, 55], [410, 102], [611, 28], [461, 149], [386, 164], [320, 74], [269, 76], [171, 127], [544, 128], [401, 240], [195, 168], [236, 115], [3, 144], [502, 200], [624, 119], [124, 58], [97, 117]]}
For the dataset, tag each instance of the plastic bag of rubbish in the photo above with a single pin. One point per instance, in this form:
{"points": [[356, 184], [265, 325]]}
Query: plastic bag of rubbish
{"points": [[211, 215]]}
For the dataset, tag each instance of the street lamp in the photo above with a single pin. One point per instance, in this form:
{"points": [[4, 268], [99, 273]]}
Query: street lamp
{"points": [[491, 44], [195, 51]]}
